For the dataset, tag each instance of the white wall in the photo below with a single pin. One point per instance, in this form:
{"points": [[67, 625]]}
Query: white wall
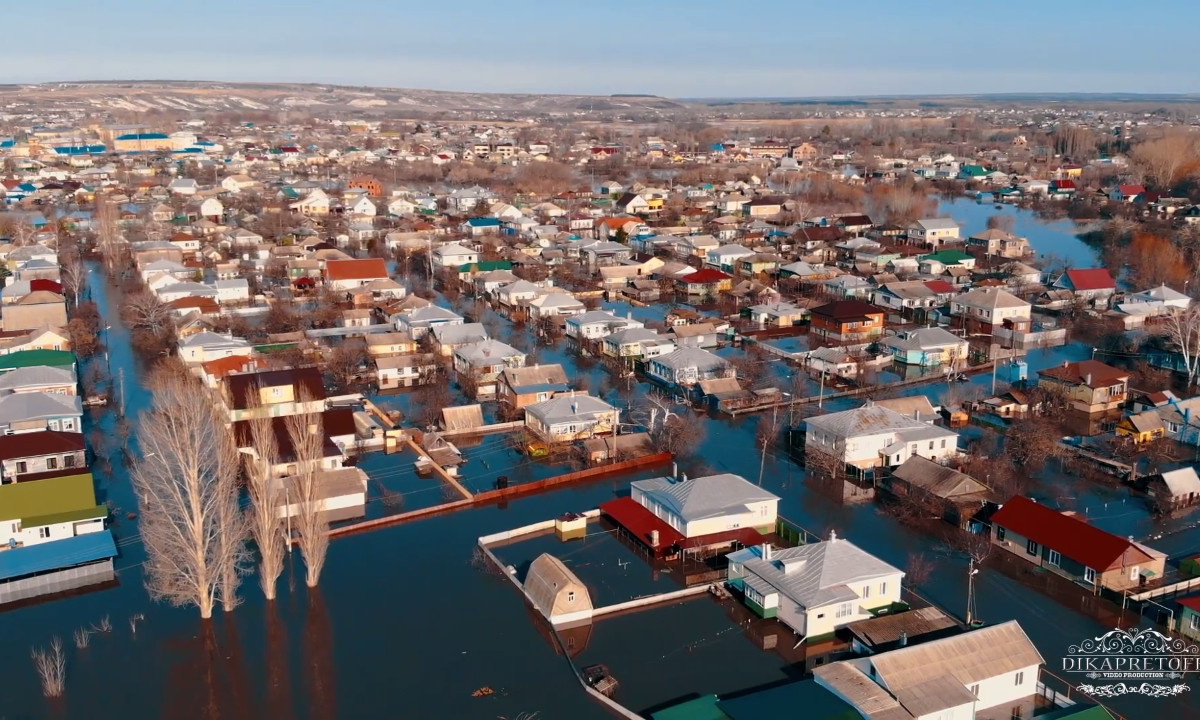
{"points": [[760, 514], [1004, 690]]}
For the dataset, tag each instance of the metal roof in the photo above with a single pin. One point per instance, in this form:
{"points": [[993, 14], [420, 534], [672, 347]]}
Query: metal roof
{"points": [[704, 497], [817, 574], [65, 553]]}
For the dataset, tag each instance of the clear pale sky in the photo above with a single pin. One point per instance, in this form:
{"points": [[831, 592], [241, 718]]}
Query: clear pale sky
{"points": [[663, 47]]}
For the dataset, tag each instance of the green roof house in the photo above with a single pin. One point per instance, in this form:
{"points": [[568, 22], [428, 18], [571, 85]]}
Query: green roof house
{"points": [[49, 509], [31, 358]]}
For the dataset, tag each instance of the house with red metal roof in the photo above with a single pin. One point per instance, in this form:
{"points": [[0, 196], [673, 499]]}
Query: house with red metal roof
{"points": [[847, 321], [349, 274], [707, 282], [1068, 545], [1092, 285], [1127, 193]]}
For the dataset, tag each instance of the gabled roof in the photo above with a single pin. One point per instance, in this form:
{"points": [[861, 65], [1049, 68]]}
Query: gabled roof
{"points": [[1089, 279], [364, 269], [705, 276], [816, 574], [305, 380], [563, 408], [944, 482], [36, 375], [1092, 373], [702, 498], [865, 420], [845, 310], [1069, 535], [38, 405]]}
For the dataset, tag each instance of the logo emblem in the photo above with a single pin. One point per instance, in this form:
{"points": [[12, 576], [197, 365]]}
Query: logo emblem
{"points": [[1135, 657]]}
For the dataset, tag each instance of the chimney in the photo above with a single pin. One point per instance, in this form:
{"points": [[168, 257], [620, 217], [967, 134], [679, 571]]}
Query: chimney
{"points": [[654, 538], [683, 477], [833, 536], [675, 470]]}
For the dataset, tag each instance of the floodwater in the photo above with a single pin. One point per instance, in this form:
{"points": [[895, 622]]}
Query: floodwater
{"points": [[405, 624], [1057, 238]]}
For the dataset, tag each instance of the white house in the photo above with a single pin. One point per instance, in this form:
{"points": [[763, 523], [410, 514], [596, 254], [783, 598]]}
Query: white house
{"points": [[205, 346], [183, 186], [874, 436], [236, 290], [934, 232], [453, 255], [596, 324], [212, 209], [951, 678], [362, 206], [816, 588], [707, 505], [990, 308]]}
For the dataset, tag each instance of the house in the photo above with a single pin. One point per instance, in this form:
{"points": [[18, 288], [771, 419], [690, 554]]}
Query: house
{"points": [[59, 566], [336, 422], [955, 496], [556, 592], [933, 232], [396, 371], [1174, 490], [725, 257], [417, 323], [875, 436], [985, 309], [477, 226], [816, 588], [596, 324], [1068, 545], [1092, 285], [31, 358], [349, 274], [28, 455], [1126, 193], [390, 343], [949, 678], [39, 378], [706, 283], [779, 314], [927, 347], [519, 387], [338, 494], [449, 338], [479, 365], [699, 335], [571, 416], [846, 321], [896, 630], [555, 304], [453, 255], [1088, 386], [49, 510], [705, 506], [204, 346], [687, 366], [40, 411], [637, 343], [995, 242], [273, 393], [38, 309]]}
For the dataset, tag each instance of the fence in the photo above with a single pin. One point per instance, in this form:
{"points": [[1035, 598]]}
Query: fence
{"points": [[588, 474]]}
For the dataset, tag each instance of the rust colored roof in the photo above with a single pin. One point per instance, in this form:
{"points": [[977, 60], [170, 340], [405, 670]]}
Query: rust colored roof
{"points": [[940, 286], [1092, 373], [43, 284], [1071, 537], [639, 522], [48, 442], [1091, 279], [707, 275], [365, 269], [306, 379], [204, 304], [227, 365]]}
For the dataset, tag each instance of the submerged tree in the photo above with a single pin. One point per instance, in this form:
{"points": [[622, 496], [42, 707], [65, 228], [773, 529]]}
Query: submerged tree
{"points": [[306, 433], [186, 484], [263, 512]]}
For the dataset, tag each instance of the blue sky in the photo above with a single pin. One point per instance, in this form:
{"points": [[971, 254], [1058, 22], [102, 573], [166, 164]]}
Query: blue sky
{"points": [[663, 47]]}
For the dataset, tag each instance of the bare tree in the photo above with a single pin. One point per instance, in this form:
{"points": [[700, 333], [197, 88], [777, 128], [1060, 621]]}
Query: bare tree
{"points": [[919, 570], [186, 486], [108, 233], [1169, 159], [73, 274], [1183, 333], [679, 434], [307, 435], [51, 666], [264, 504], [145, 311]]}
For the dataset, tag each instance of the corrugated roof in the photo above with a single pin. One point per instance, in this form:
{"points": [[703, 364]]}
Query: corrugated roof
{"points": [[65, 553], [969, 658], [464, 417], [28, 358], [817, 574], [1069, 535], [704, 497]]}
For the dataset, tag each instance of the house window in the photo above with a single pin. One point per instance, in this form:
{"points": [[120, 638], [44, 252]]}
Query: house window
{"points": [[68, 424], [1194, 622], [1019, 678], [1031, 547], [43, 532], [69, 461], [51, 463], [53, 424], [1089, 575], [22, 467], [883, 588], [845, 610], [999, 533], [570, 596], [943, 443], [1055, 558], [931, 444], [866, 593]]}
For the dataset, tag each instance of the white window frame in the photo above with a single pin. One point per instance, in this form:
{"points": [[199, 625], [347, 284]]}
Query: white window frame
{"points": [[1054, 558], [1089, 575]]}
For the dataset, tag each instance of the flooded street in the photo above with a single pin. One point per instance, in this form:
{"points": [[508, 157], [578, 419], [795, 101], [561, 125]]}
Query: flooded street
{"points": [[405, 624]]}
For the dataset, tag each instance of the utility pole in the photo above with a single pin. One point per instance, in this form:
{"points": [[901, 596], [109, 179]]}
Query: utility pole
{"points": [[121, 390], [971, 591]]}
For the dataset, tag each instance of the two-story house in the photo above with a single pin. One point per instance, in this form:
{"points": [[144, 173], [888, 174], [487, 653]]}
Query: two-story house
{"points": [[273, 393], [596, 324], [933, 232], [874, 436], [518, 387], [1088, 386], [28, 455], [478, 365], [844, 321], [985, 309]]}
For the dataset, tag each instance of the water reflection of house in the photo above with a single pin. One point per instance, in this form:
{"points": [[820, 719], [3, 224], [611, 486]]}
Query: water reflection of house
{"points": [[571, 640]]}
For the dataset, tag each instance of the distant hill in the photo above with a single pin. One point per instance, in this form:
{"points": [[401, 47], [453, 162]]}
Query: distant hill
{"points": [[195, 97]]}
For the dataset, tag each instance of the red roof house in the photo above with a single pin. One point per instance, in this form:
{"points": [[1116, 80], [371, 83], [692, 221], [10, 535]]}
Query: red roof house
{"points": [[352, 273], [1090, 282], [1068, 545]]}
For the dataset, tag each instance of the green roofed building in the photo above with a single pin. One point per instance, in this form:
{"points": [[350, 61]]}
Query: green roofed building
{"points": [[486, 266], [951, 257], [702, 708], [31, 358], [49, 509], [786, 701]]}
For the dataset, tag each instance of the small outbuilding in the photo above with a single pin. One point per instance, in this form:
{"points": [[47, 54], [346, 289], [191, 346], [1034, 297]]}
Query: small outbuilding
{"points": [[556, 592]]}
